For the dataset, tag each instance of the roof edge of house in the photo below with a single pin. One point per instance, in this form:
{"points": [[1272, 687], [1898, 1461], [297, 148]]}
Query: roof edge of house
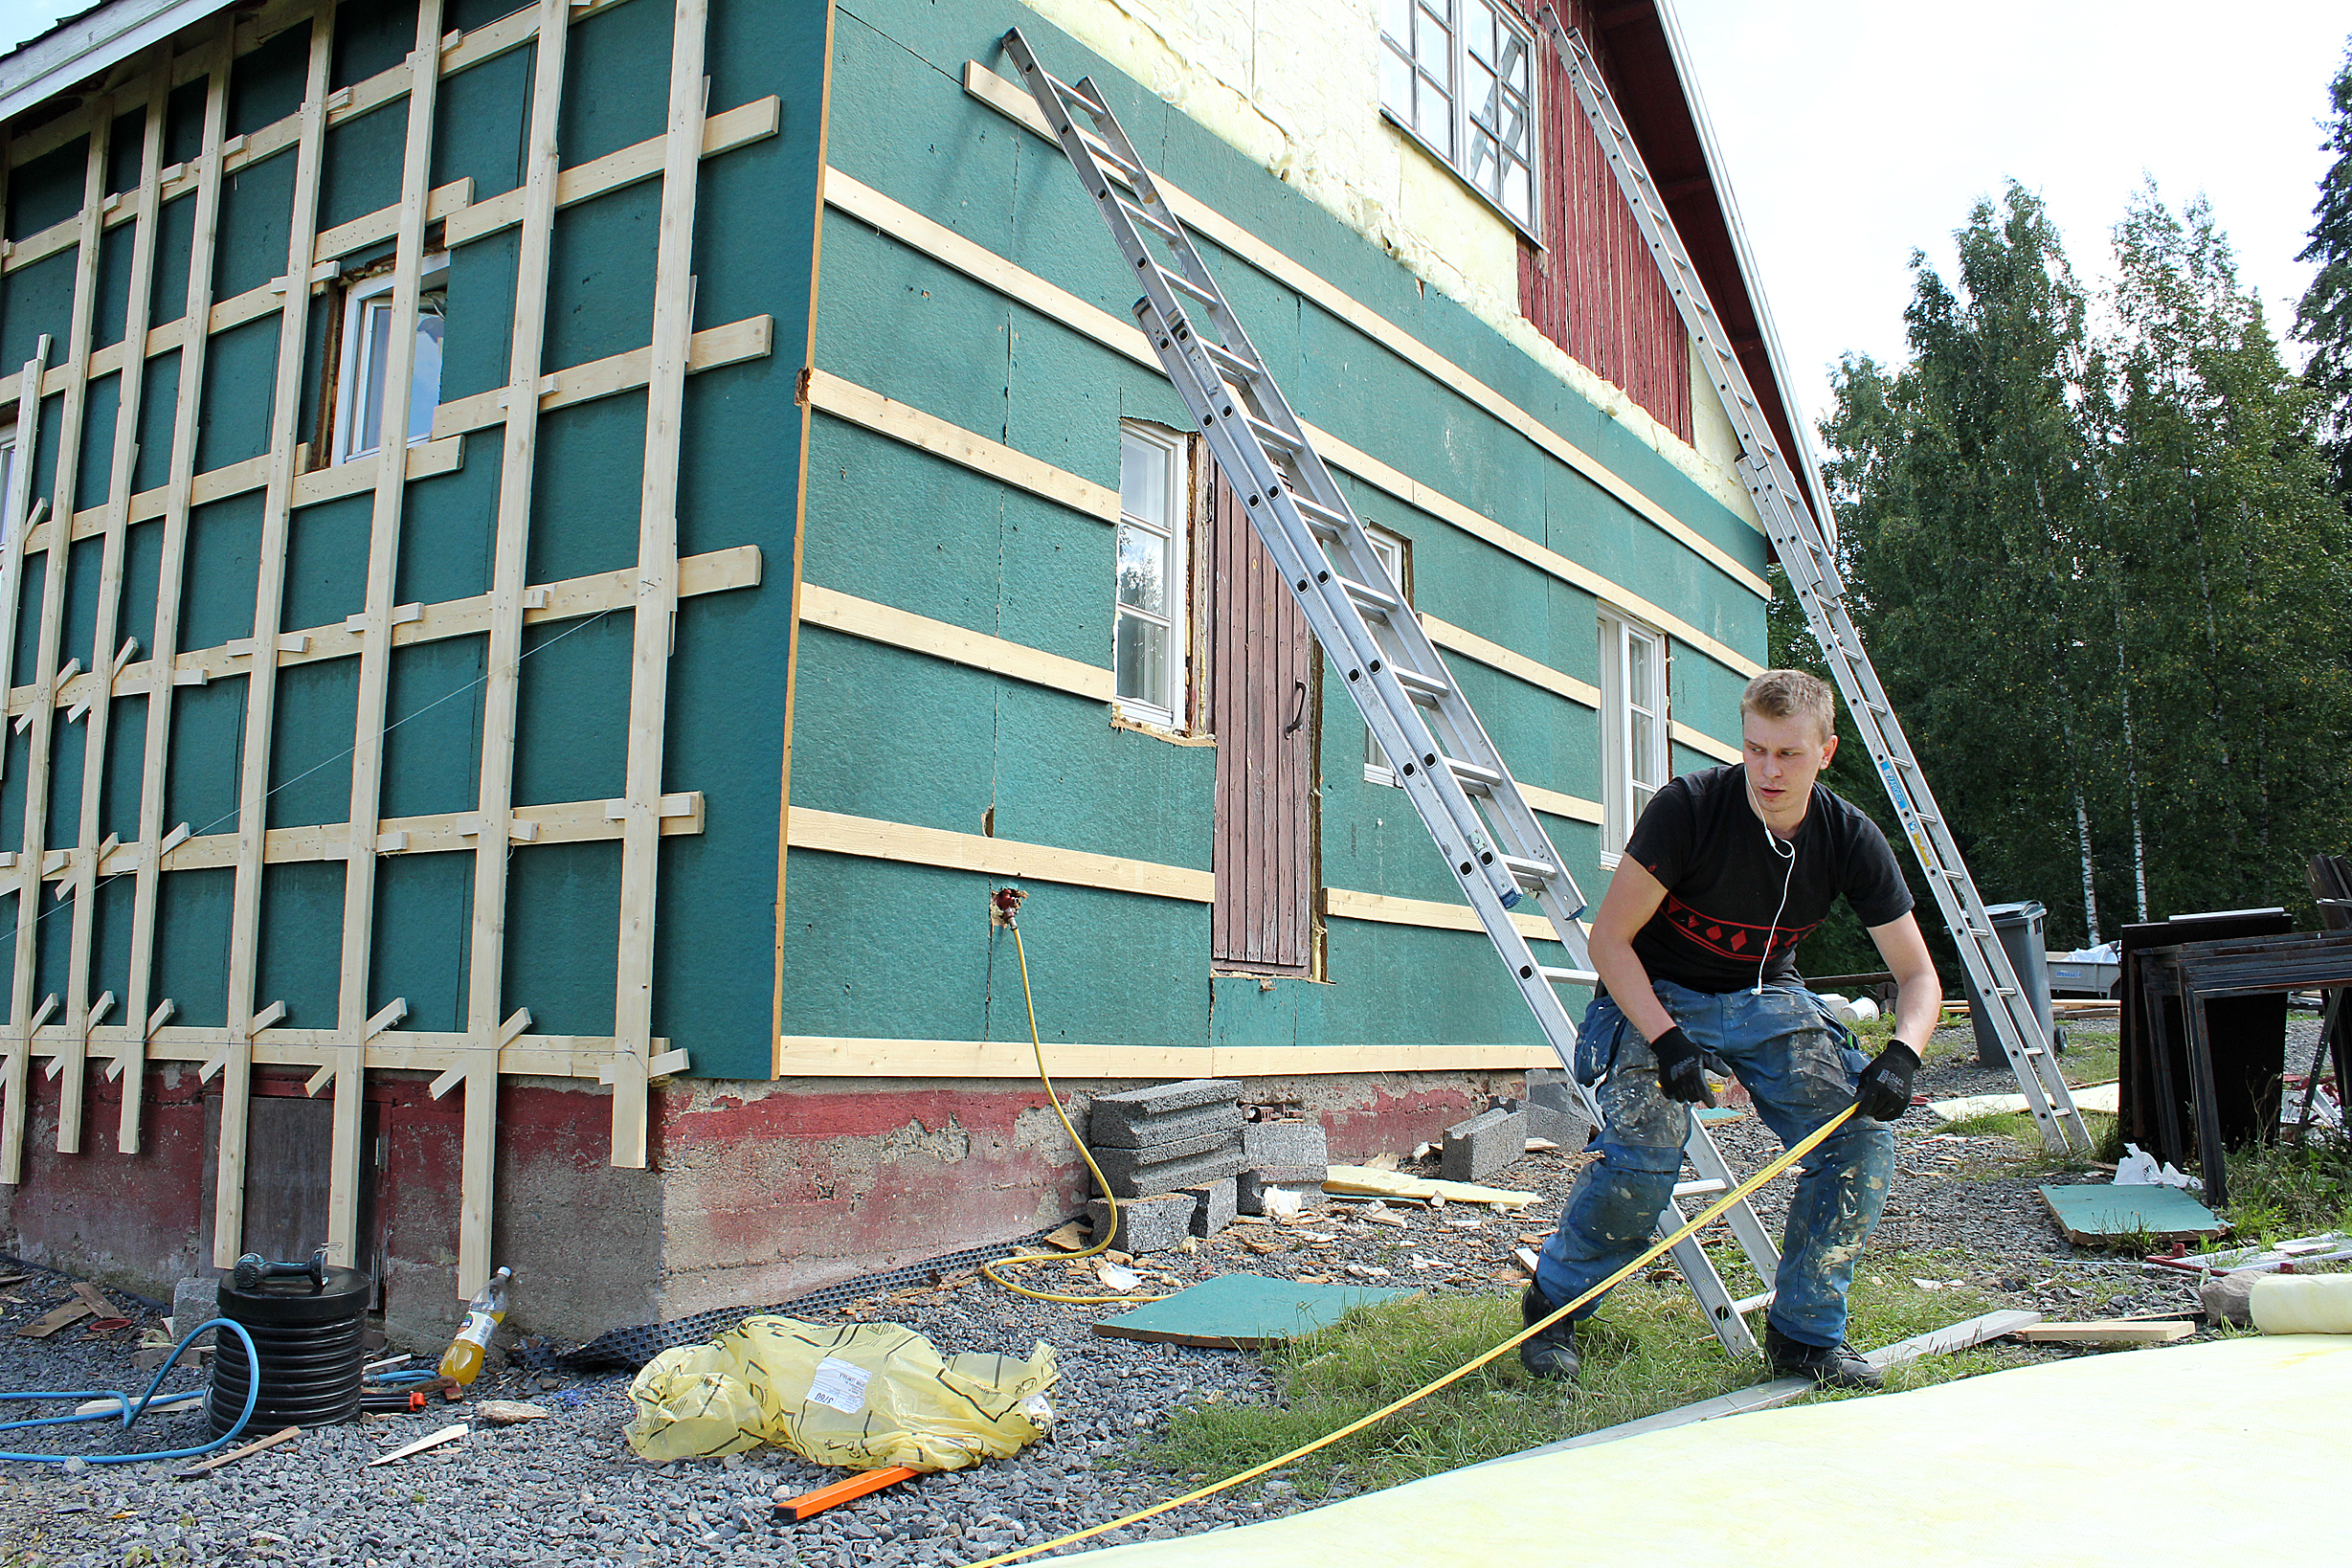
{"points": [[88, 43]]}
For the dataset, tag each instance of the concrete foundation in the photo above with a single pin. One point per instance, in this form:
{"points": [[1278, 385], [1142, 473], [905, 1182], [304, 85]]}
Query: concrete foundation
{"points": [[756, 1193]]}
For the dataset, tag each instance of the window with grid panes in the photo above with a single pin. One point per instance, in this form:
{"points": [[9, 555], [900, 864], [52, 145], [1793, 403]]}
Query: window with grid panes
{"points": [[1633, 725], [366, 356], [1151, 630], [1458, 76]]}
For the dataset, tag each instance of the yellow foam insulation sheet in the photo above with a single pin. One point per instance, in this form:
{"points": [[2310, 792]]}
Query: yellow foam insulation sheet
{"points": [[2116, 1458]]}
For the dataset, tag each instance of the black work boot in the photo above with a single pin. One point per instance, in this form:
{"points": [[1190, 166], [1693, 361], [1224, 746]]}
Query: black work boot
{"points": [[1552, 1353], [1829, 1366]]}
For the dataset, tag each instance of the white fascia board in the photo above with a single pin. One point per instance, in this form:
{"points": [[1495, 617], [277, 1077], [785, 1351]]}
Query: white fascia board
{"points": [[87, 44], [1808, 466]]}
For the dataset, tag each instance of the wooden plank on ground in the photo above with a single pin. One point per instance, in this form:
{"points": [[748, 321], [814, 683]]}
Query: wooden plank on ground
{"points": [[56, 1318], [2110, 1331]]}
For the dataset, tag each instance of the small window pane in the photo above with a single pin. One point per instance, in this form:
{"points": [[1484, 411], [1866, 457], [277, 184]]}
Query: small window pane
{"points": [[1143, 570], [1481, 91], [1478, 32], [1395, 83], [1433, 117], [1143, 480], [425, 376], [1644, 747], [1397, 20], [1142, 658], [1517, 199], [1484, 162], [1640, 673], [1514, 62]]}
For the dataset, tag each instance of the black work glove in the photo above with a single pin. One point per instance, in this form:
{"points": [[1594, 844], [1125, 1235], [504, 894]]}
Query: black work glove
{"points": [[1680, 1077], [1885, 1091]]}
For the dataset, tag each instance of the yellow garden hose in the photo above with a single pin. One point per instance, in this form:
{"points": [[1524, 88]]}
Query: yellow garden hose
{"points": [[1707, 1217], [1102, 1243]]}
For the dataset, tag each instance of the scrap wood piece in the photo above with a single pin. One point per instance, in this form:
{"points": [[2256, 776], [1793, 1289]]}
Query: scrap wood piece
{"points": [[235, 1455], [2108, 1330], [57, 1318], [1943, 1341], [2104, 1097], [96, 1299], [1365, 1181], [811, 1503], [162, 1404], [2105, 1215], [507, 1412], [2332, 1247], [447, 1434], [1241, 1311]]}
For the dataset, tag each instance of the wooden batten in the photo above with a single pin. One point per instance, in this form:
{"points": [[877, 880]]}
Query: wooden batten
{"points": [[656, 572], [63, 486], [262, 685], [488, 933]]}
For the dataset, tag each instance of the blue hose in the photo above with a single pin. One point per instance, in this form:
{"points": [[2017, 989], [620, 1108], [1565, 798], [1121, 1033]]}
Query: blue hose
{"points": [[131, 1412]]}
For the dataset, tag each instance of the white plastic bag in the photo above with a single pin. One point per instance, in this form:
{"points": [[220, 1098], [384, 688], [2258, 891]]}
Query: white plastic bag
{"points": [[866, 1396]]}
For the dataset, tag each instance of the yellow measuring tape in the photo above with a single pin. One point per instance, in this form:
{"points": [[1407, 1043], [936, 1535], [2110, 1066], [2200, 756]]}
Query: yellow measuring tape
{"points": [[1707, 1217]]}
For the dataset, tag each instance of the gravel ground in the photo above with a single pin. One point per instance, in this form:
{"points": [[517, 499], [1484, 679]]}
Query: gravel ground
{"points": [[566, 1489]]}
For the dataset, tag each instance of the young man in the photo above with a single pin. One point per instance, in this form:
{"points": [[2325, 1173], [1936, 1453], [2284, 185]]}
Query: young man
{"points": [[1728, 869]]}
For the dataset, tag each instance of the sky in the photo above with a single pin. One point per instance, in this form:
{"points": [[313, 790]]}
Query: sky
{"points": [[1856, 131]]}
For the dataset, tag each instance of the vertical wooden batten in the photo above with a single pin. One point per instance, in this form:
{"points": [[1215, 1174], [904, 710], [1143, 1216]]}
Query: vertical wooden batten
{"points": [[261, 684], [132, 386], [64, 486], [657, 584], [509, 572], [179, 489], [14, 1073], [354, 1021]]}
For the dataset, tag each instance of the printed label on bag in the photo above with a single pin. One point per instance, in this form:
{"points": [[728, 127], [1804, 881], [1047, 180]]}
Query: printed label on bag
{"points": [[840, 1385]]}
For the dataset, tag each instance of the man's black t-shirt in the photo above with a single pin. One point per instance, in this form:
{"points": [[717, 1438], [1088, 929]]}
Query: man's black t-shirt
{"points": [[1724, 880]]}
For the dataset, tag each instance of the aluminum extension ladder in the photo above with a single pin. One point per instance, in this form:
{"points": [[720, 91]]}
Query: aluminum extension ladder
{"points": [[1441, 753], [1813, 573]]}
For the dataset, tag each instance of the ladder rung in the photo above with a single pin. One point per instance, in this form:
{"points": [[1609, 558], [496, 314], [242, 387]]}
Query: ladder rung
{"points": [[1092, 105], [1327, 524], [1748, 1304], [1420, 685], [1275, 435], [1377, 600], [1701, 1189], [1473, 776], [1569, 977], [1139, 216], [1533, 873], [1227, 359], [1183, 284], [1103, 154]]}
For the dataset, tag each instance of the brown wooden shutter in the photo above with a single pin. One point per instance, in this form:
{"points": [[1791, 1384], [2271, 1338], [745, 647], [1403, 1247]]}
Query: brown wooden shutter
{"points": [[1261, 708]]}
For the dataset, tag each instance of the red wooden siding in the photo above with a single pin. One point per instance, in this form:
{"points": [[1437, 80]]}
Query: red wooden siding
{"points": [[1593, 288], [1262, 677]]}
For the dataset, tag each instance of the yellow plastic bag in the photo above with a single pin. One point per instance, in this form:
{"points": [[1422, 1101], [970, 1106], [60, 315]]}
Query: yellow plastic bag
{"points": [[865, 1396]]}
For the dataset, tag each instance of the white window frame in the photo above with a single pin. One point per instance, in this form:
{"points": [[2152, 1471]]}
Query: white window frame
{"points": [[1395, 556], [1631, 771], [1426, 75], [1167, 706], [7, 484], [355, 365]]}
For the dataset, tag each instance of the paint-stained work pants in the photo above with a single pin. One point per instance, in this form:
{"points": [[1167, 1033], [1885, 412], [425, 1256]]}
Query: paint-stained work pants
{"points": [[1800, 1066]]}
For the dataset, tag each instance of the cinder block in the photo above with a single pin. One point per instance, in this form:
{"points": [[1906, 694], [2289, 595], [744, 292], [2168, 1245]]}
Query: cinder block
{"points": [[1253, 1185], [1476, 1149], [1569, 1128], [193, 1301], [1158, 1150], [1146, 1225], [1298, 1145], [1214, 1204], [1111, 1115], [1135, 1173], [1119, 1131]]}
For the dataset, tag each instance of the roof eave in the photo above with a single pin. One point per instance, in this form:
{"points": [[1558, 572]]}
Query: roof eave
{"points": [[84, 46]]}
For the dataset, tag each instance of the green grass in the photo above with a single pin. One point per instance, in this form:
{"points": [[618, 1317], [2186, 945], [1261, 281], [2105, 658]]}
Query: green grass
{"points": [[1648, 1350], [2282, 1190]]}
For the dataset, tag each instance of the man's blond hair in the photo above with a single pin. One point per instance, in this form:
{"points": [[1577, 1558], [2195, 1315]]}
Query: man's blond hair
{"points": [[1784, 694]]}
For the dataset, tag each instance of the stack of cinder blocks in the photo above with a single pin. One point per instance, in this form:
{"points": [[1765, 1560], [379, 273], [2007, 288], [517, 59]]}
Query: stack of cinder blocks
{"points": [[1170, 1155], [1475, 1150], [1277, 1157]]}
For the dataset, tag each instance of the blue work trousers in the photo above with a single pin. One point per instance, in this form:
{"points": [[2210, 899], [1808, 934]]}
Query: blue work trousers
{"points": [[1800, 1067]]}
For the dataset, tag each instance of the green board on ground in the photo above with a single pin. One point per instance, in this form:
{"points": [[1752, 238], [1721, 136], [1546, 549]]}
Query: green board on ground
{"points": [[2103, 1214], [1241, 1312]]}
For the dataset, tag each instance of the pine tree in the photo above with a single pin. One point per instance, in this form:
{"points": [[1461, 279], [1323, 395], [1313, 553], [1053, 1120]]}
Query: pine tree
{"points": [[2324, 317]]}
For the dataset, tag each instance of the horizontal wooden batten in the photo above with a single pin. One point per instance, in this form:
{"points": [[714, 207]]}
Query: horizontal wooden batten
{"points": [[1495, 656], [722, 132], [842, 1056], [541, 1056], [1346, 904], [1685, 735], [943, 244], [864, 836], [830, 394], [919, 634], [752, 338], [1016, 104], [713, 572]]}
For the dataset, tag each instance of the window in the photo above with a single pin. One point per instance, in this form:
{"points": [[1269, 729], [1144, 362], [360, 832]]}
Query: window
{"points": [[367, 353], [1455, 74], [1395, 556], [1633, 725], [7, 484], [1151, 630]]}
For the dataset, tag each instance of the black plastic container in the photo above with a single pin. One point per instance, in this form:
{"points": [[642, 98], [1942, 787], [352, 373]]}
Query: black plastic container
{"points": [[309, 1346]]}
